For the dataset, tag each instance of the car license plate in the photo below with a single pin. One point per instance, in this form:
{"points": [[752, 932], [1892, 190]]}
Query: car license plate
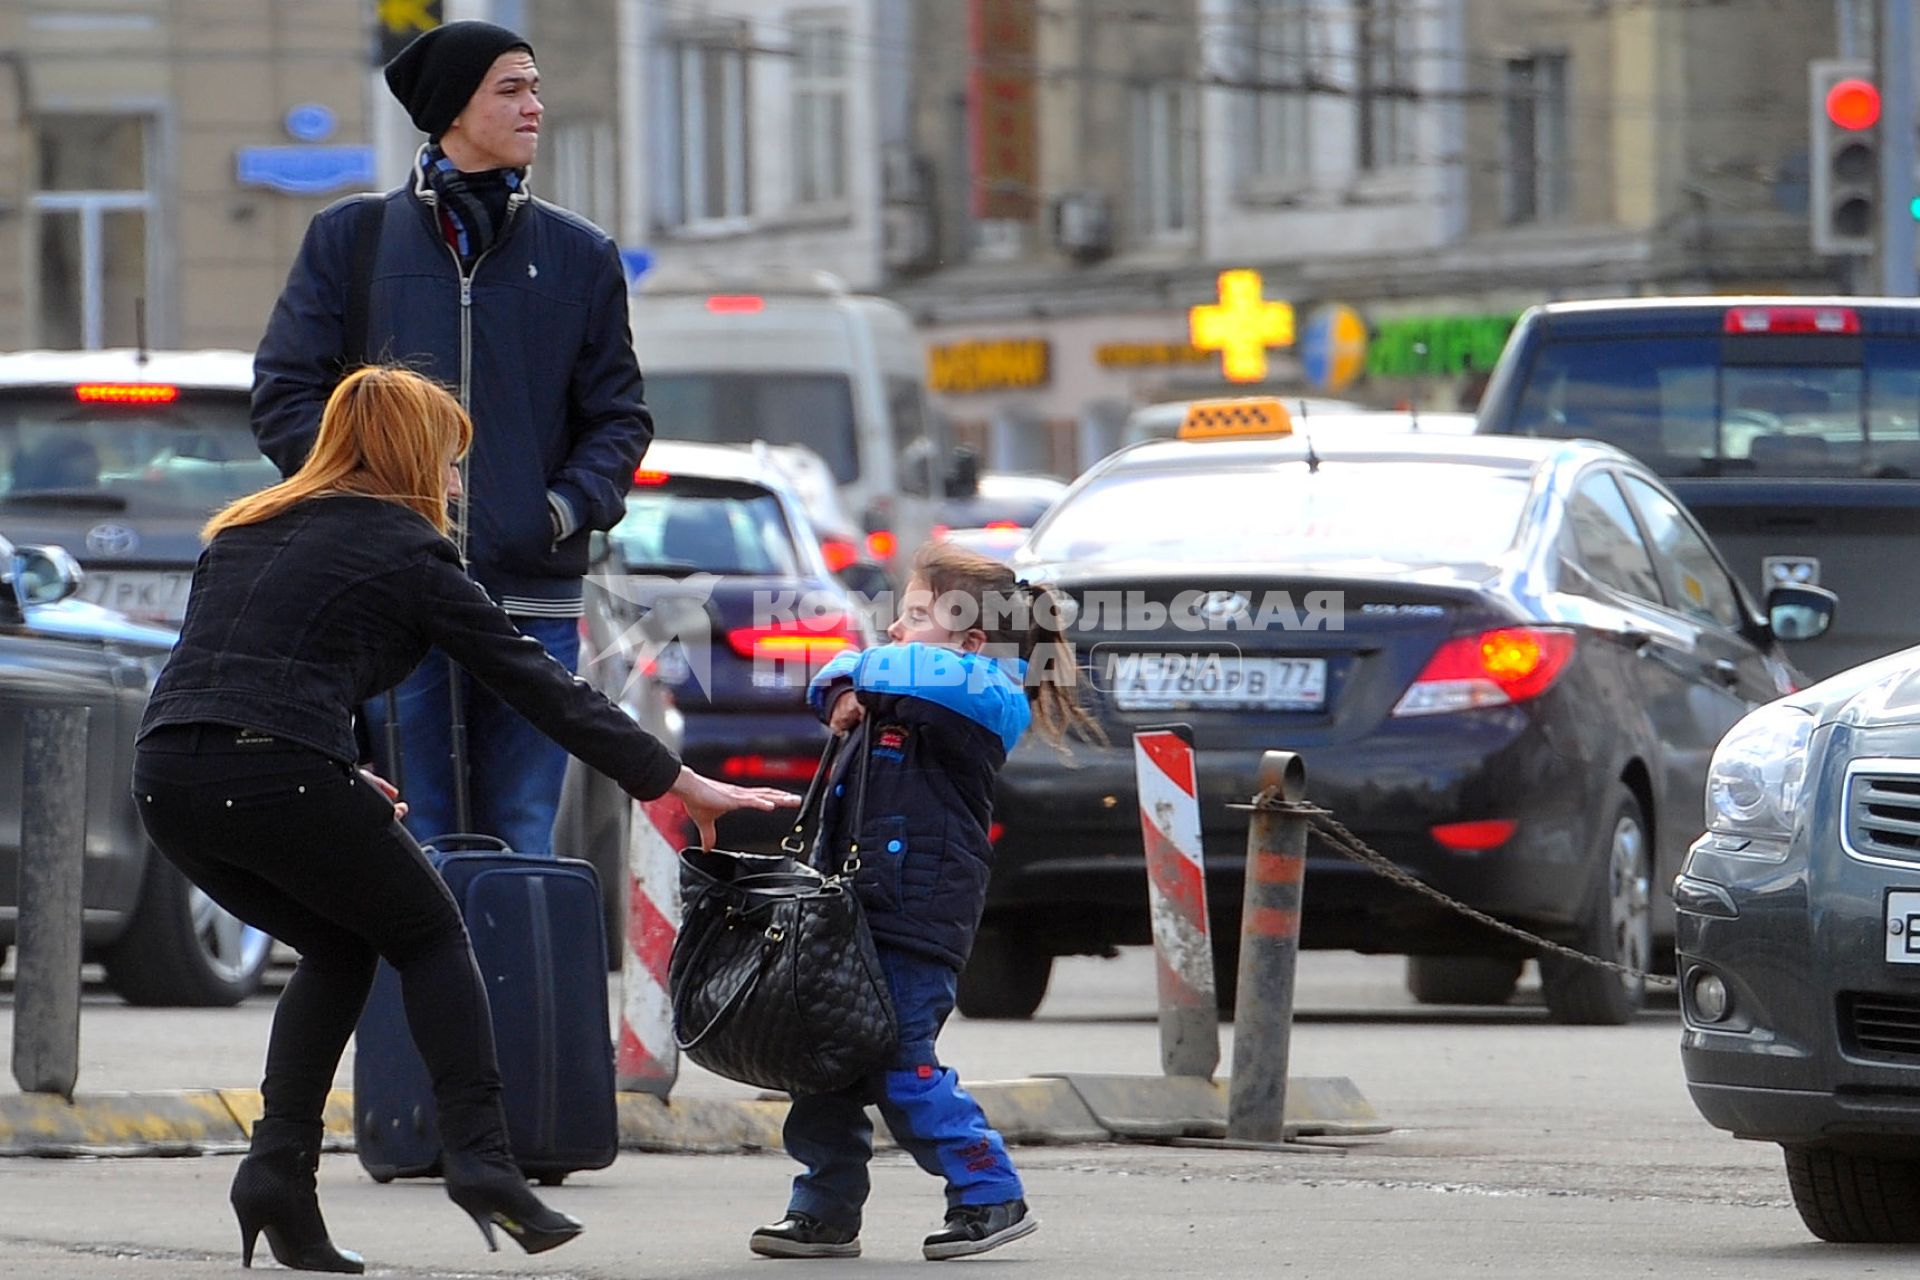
{"points": [[151, 595], [1903, 926], [1168, 681]]}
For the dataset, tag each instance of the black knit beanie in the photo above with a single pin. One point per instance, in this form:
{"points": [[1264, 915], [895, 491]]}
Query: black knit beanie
{"points": [[436, 75]]}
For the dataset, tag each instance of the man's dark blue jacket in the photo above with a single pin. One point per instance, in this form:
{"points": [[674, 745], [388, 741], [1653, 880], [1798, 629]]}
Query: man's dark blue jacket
{"points": [[939, 724], [535, 341]]}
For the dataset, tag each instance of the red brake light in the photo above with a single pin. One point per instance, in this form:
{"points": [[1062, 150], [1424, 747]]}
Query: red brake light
{"points": [[839, 553], [994, 831], [1001, 524], [1491, 669], [768, 768], [881, 545], [811, 640], [125, 393], [736, 304], [642, 476], [939, 532], [1474, 837], [1792, 320]]}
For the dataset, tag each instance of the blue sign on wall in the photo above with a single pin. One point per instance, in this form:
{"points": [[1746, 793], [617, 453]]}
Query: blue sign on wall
{"points": [[637, 262], [310, 122], [305, 171]]}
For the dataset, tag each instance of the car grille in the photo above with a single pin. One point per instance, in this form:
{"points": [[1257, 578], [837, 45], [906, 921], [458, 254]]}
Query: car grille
{"points": [[1883, 815], [1880, 1024]]}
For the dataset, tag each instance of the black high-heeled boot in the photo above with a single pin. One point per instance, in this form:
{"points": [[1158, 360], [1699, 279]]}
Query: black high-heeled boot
{"points": [[492, 1191], [274, 1192]]}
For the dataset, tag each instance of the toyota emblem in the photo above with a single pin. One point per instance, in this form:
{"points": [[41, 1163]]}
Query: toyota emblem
{"points": [[1221, 605], [112, 539]]}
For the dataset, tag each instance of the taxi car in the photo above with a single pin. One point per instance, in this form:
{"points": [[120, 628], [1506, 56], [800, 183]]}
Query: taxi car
{"points": [[1505, 663], [1799, 946]]}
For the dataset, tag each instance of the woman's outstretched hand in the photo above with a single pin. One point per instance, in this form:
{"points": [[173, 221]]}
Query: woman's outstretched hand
{"points": [[706, 800]]}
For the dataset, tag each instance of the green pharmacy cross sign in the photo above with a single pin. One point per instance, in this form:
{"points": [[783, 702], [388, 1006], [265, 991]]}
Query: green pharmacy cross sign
{"points": [[1437, 346]]}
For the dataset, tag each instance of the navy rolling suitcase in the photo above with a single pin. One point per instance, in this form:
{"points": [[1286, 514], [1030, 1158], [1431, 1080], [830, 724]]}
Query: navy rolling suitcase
{"points": [[538, 934]]}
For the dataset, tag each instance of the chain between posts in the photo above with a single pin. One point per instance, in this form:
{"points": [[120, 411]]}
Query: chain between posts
{"points": [[1329, 831]]}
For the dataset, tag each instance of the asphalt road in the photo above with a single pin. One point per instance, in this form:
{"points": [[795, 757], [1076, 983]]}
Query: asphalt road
{"points": [[1519, 1148]]}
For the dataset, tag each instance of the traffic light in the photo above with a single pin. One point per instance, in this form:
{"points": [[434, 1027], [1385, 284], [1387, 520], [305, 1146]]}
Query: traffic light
{"points": [[1844, 155]]}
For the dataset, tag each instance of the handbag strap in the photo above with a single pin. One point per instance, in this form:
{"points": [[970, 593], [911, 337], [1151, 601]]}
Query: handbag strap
{"points": [[813, 806]]}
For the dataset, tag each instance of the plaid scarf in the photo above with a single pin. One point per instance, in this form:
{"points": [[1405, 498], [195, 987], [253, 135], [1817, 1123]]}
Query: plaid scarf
{"points": [[473, 206]]}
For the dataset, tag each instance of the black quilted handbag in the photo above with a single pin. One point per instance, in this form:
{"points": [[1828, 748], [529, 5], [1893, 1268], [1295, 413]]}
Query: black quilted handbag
{"points": [[774, 977]]}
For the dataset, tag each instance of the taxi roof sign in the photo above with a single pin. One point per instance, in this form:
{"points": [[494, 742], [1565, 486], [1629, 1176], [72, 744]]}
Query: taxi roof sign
{"points": [[1248, 416]]}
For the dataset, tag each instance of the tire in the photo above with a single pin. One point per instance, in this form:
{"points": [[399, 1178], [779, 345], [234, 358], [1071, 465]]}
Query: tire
{"points": [[1617, 926], [1475, 980], [182, 950], [1006, 977], [1855, 1199]]}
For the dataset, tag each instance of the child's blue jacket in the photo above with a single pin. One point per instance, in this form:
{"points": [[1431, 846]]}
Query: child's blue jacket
{"points": [[939, 725]]}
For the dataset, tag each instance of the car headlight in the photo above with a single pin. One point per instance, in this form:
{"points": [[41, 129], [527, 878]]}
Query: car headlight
{"points": [[1759, 773]]}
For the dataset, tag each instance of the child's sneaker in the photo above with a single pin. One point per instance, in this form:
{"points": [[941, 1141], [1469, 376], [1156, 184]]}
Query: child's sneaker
{"points": [[801, 1235], [976, 1228]]}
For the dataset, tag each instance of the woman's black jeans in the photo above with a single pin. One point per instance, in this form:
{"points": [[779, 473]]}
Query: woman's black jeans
{"points": [[300, 846]]}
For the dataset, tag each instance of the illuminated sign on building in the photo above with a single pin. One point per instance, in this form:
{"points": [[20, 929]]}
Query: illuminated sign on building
{"points": [[1146, 355], [1241, 326], [1006, 364], [1437, 346]]}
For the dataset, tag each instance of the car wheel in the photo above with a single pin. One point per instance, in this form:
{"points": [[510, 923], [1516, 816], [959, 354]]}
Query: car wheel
{"points": [[1481, 980], [1006, 977], [1617, 926], [182, 949], [1855, 1199]]}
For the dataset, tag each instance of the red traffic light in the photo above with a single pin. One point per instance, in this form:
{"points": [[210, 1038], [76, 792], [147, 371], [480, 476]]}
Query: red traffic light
{"points": [[1853, 104]]}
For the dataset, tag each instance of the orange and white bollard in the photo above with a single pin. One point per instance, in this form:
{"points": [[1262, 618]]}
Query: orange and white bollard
{"points": [[1177, 894], [1269, 952], [648, 1060]]}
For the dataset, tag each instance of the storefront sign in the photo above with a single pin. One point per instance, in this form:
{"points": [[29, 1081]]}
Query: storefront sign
{"points": [[1002, 106], [1333, 348], [1437, 346], [1147, 355], [304, 171], [1009, 364], [1241, 326], [399, 21]]}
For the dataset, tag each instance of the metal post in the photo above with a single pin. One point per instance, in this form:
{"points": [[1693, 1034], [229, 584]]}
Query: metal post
{"points": [[53, 825], [1269, 949], [1897, 122], [1177, 901]]}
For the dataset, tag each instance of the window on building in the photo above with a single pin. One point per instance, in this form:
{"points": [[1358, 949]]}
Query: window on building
{"points": [[819, 110], [1275, 40], [92, 206], [708, 98], [578, 158], [1385, 41], [1163, 147], [1536, 138]]}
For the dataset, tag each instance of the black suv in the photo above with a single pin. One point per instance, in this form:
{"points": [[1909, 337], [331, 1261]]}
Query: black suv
{"points": [[1790, 427]]}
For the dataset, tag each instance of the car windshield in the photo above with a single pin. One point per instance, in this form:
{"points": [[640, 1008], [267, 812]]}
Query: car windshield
{"points": [[1392, 512], [1691, 407], [810, 409], [739, 532], [184, 458]]}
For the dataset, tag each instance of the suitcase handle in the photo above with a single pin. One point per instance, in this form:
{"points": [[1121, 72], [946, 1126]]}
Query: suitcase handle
{"points": [[458, 841]]}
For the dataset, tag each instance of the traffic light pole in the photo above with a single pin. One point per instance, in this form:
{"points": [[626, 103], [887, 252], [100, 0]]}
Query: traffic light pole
{"points": [[1898, 121]]}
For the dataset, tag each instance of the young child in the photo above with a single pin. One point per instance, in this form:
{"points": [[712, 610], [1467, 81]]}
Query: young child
{"points": [[974, 656]]}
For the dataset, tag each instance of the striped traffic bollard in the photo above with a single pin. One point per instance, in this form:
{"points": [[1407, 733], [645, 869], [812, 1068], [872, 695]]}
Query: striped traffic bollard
{"points": [[1177, 896], [1269, 951], [649, 1060]]}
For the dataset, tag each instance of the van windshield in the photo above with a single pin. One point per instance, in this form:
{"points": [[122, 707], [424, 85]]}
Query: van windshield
{"points": [[814, 410], [1696, 406]]}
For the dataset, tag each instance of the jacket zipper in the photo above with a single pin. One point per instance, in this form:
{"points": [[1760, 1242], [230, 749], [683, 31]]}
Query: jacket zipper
{"points": [[466, 362]]}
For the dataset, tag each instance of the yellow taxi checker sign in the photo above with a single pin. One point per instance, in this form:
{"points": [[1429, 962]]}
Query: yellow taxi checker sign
{"points": [[1225, 419]]}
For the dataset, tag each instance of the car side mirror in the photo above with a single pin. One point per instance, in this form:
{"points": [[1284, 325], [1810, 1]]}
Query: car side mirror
{"points": [[1799, 612], [43, 575], [963, 474]]}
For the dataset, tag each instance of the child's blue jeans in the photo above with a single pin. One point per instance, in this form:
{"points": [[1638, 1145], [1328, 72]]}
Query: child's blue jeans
{"points": [[932, 1118]]}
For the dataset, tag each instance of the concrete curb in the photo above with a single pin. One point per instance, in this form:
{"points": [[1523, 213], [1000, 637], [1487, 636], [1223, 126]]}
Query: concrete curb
{"points": [[1064, 1109]]}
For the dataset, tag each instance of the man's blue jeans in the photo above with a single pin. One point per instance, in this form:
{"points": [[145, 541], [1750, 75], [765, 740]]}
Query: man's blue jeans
{"points": [[929, 1114], [514, 772]]}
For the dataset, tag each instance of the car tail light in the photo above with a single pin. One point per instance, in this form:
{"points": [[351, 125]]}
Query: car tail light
{"points": [[1474, 837], [1491, 669], [1793, 320], [645, 478], [769, 768], [994, 831], [125, 393], [939, 532], [839, 553], [736, 304], [1001, 524], [881, 545], [812, 640]]}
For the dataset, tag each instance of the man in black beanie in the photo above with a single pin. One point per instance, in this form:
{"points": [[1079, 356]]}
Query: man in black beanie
{"points": [[521, 308]]}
